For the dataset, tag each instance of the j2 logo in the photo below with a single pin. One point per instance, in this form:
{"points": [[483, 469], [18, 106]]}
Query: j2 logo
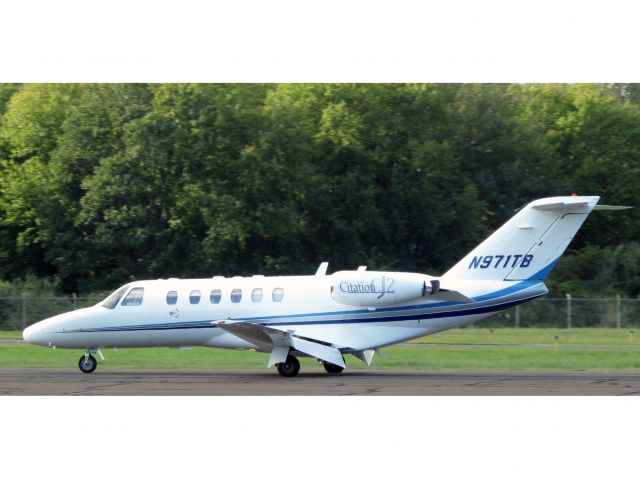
{"points": [[501, 260], [379, 286]]}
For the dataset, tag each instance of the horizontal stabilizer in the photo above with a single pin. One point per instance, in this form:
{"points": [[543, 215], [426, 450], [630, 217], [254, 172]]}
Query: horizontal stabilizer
{"points": [[560, 205], [611, 208]]}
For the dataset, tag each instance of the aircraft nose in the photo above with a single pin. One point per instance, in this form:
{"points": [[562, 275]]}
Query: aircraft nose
{"points": [[34, 334]]}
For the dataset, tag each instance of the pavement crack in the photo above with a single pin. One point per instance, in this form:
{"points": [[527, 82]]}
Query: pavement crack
{"points": [[103, 386], [632, 393]]}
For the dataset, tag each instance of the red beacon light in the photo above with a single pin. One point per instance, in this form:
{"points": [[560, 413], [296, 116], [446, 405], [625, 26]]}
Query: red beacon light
{"points": [[574, 194]]}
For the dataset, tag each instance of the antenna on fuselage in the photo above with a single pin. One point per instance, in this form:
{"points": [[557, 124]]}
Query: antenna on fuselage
{"points": [[322, 269]]}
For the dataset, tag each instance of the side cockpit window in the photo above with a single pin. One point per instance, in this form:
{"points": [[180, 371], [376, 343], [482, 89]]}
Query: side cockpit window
{"points": [[134, 298], [113, 298]]}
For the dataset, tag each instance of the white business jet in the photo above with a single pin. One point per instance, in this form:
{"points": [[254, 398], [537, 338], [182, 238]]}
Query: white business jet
{"points": [[326, 316]]}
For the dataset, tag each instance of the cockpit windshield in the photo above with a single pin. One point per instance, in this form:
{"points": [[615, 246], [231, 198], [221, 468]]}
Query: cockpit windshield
{"points": [[113, 298]]}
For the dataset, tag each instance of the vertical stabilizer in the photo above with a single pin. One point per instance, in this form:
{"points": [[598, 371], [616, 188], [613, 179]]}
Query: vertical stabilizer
{"points": [[528, 246]]}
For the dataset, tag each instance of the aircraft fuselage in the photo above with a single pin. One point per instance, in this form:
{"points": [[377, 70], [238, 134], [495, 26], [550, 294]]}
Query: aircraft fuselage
{"points": [[306, 307]]}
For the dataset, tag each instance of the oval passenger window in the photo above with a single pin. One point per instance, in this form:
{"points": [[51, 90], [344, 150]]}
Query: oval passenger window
{"points": [[172, 297], [194, 296], [256, 295], [215, 296], [236, 295], [277, 295]]}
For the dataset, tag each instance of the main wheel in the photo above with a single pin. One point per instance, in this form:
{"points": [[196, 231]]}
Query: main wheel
{"points": [[290, 368], [87, 364], [332, 368]]}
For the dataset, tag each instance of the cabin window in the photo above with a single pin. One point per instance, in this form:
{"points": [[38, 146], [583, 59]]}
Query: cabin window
{"points": [[256, 295], [194, 296], [236, 295], [215, 296], [277, 295], [134, 298], [172, 297], [113, 298]]}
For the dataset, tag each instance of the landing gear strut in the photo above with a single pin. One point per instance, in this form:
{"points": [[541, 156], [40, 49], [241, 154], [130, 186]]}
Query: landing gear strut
{"points": [[290, 368], [332, 368], [87, 363]]}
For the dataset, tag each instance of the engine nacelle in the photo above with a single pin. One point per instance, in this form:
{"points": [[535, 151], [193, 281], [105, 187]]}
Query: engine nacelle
{"points": [[377, 288]]}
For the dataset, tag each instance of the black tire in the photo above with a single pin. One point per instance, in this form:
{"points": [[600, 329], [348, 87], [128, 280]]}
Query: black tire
{"points": [[87, 364], [332, 368], [290, 368]]}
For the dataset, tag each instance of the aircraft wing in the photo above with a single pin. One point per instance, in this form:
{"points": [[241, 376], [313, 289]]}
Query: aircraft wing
{"points": [[280, 342]]}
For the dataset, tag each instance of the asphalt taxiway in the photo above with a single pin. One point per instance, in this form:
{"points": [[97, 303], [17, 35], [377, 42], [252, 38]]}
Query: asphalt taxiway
{"points": [[263, 382]]}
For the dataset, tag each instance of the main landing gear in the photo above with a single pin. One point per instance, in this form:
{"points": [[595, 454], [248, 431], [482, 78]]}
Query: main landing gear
{"points": [[290, 368], [332, 368], [87, 363]]}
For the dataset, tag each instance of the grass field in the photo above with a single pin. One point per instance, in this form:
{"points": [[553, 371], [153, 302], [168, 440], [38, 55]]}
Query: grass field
{"points": [[535, 336], [522, 349]]}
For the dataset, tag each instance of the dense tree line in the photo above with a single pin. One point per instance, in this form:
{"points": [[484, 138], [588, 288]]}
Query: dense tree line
{"points": [[103, 183]]}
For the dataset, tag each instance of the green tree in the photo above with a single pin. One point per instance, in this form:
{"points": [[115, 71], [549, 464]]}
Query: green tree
{"points": [[154, 206]]}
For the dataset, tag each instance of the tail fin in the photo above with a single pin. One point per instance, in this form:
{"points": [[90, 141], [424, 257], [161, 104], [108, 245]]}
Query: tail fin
{"points": [[528, 246]]}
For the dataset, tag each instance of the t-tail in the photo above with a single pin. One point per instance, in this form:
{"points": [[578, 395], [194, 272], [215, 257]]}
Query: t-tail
{"points": [[529, 245]]}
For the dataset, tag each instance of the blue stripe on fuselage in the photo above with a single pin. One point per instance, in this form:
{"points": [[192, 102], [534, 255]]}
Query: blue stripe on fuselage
{"points": [[439, 314], [469, 309]]}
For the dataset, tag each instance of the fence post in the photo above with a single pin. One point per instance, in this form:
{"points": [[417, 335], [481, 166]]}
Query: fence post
{"points": [[518, 316], [568, 296], [24, 309], [74, 300], [618, 312]]}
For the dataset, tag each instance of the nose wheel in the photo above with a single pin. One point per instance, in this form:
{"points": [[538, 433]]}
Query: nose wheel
{"points": [[87, 363], [290, 368]]}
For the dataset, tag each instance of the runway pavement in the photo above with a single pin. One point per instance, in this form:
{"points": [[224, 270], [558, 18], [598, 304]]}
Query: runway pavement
{"points": [[263, 382]]}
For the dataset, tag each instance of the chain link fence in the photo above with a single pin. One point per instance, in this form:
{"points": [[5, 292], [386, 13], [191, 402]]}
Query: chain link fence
{"points": [[569, 312], [18, 312]]}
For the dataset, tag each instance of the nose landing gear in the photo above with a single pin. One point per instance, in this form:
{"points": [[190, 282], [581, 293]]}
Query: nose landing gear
{"points": [[87, 363]]}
